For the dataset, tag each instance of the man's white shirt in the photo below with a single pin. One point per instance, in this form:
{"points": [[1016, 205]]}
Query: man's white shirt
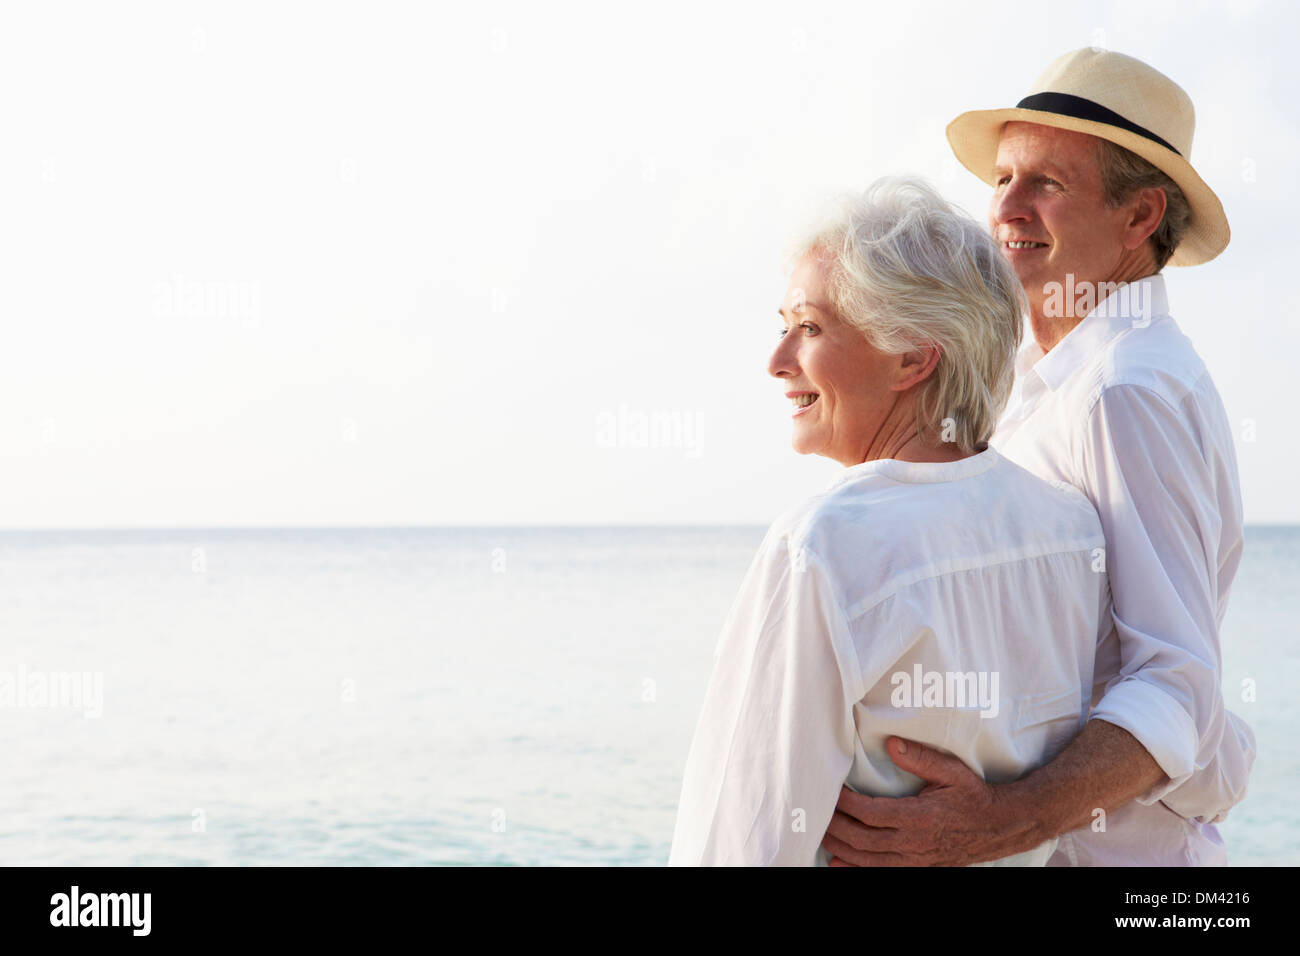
{"points": [[1124, 410]]}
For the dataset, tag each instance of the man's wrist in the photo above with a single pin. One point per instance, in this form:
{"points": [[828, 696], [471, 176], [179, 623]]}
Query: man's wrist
{"points": [[1103, 768], [1032, 806]]}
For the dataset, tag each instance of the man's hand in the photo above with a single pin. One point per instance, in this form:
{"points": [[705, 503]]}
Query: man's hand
{"points": [[958, 819]]}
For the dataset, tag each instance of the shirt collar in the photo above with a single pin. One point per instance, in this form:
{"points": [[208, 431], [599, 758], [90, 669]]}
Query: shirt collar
{"points": [[1133, 305], [920, 472]]}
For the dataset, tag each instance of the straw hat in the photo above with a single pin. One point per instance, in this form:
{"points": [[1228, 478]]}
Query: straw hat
{"points": [[1123, 100]]}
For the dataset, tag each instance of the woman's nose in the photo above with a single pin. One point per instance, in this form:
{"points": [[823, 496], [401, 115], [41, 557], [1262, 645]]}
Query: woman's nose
{"points": [[783, 364]]}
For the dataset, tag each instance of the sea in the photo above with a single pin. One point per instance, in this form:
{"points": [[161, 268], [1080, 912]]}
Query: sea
{"points": [[429, 696]]}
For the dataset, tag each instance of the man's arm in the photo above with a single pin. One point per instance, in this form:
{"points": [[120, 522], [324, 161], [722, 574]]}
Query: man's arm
{"points": [[1116, 766], [1170, 504], [1161, 512], [958, 819]]}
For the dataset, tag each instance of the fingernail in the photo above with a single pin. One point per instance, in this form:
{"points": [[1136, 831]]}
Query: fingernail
{"points": [[902, 746]]}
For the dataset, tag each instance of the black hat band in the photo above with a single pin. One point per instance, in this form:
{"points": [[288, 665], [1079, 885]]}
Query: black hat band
{"points": [[1067, 104]]}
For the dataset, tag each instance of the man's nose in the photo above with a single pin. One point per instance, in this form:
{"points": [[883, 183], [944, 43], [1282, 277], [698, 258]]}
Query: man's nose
{"points": [[1009, 203]]}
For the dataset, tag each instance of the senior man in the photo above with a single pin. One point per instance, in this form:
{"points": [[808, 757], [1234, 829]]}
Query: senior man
{"points": [[1093, 195]]}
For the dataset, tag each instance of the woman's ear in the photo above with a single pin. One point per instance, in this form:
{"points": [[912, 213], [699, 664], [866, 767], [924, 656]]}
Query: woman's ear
{"points": [[915, 367]]}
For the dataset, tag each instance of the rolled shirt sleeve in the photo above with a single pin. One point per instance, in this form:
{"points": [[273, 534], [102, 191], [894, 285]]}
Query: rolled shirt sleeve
{"points": [[1213, 790], [1162, 525], [776, 737]]}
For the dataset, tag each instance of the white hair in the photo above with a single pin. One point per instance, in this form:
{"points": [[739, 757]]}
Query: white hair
{"points": [[909, 269]]}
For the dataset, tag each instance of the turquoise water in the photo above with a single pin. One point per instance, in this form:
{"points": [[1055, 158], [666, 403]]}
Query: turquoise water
{"points": [[1260, 645], [423, 696]]}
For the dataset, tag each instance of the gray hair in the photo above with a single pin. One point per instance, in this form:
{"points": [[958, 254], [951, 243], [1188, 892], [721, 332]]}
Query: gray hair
{"points": [[909, 269], [1123, 173]]}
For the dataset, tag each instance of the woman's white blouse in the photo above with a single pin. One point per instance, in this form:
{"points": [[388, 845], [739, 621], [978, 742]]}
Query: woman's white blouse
{"points": [[957, 604]]}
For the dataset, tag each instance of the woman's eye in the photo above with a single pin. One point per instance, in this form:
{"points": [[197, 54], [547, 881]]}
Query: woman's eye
{"points": [[810, 328]]}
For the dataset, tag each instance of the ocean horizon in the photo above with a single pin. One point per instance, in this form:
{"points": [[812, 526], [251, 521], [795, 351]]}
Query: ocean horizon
{"points": [[424, 695]]}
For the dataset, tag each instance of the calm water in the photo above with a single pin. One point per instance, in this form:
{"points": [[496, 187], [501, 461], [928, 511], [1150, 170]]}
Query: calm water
{"points": [[420, 696]]}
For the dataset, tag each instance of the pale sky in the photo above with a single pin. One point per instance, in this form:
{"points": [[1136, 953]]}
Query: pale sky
{"points": [[368, 263]]}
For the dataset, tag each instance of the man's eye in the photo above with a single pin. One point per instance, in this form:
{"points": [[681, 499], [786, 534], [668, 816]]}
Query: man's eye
{"points": [[812, 329]]}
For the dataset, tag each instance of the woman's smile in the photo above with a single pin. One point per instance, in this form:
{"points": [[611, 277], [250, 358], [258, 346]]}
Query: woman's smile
{"points": [[802, 401]]}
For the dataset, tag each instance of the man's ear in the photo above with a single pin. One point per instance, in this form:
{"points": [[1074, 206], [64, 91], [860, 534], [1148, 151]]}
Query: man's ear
{"points": [[1147, 209], [915, 366]]}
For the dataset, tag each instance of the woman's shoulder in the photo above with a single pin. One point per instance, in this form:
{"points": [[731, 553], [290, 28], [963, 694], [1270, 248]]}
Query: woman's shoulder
{"points": [[818, 526], [876, 527]]}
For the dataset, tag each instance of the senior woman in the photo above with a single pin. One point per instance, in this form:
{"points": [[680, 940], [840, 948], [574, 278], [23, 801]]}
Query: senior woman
{"points": [[934, 590]]}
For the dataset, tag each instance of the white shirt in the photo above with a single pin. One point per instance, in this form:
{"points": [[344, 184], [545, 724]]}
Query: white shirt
{"points": [[897, 572], [1124, 410]]}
